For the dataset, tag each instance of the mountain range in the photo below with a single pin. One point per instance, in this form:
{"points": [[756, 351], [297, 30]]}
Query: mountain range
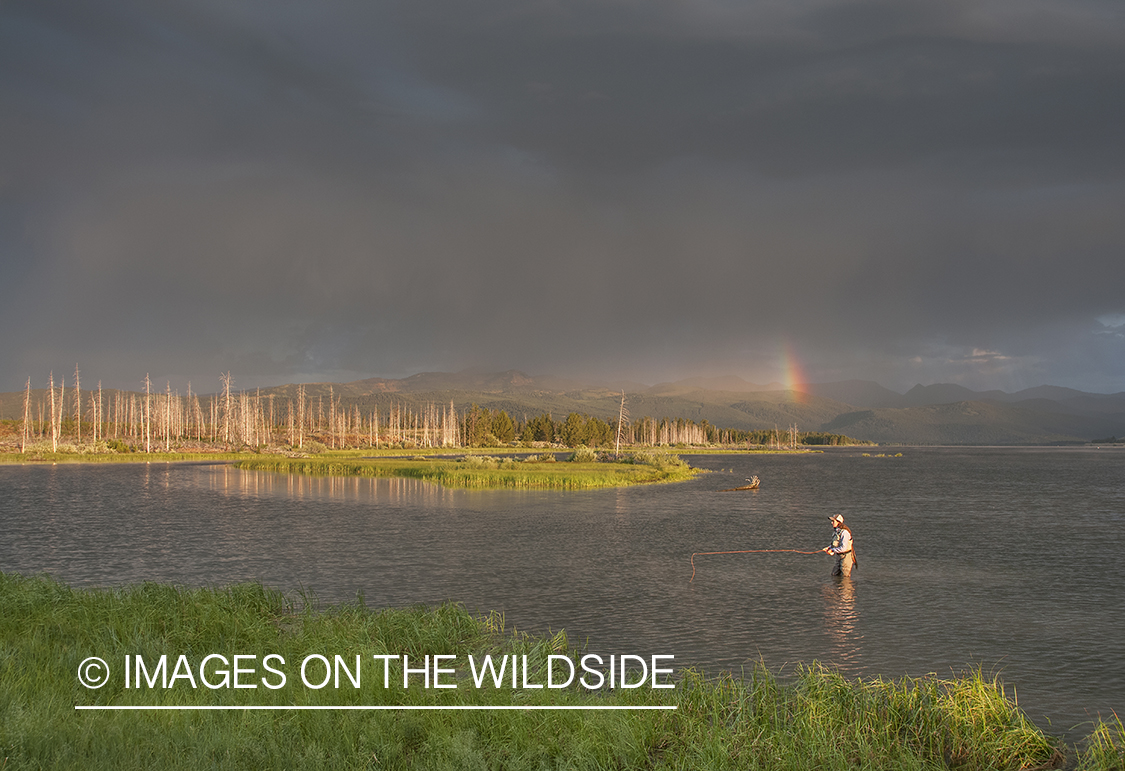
{"points": [[942, 413]]}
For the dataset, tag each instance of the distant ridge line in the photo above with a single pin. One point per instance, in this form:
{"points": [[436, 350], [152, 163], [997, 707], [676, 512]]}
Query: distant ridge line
{"points": [[941, 413]]}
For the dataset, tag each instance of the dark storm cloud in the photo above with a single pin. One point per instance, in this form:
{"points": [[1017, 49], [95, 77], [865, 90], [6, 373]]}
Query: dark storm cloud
{"points": [[900, 191], [841, 86]]}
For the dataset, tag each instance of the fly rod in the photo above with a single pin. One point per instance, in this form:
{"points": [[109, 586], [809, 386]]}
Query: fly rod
{"points": [[745, 551]]}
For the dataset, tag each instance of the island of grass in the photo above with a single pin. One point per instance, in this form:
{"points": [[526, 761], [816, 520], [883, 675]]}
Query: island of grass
{"points": [[579, 470], [813, 719]]}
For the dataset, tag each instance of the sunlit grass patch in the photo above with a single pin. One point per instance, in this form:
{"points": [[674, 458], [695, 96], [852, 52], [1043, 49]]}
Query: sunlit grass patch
{"points": [[1104, 748], [815, 718], [477, 471]]}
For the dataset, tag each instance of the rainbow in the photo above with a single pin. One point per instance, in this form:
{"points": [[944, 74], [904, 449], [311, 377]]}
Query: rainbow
{"points": [[793, 375]]}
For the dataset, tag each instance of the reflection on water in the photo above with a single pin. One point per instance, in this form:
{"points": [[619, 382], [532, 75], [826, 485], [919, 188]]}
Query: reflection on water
{"points": [[840, 617], [1016, 567], [297, 487]]}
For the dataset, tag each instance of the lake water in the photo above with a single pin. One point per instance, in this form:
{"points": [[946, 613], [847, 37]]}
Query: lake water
{"points": [[1008, 558]]}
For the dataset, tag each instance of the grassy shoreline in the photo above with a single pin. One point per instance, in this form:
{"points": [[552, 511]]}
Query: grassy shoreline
{"points": [[471, 470], [815, 719], [485, 471], [109, 458], [38, 455]]}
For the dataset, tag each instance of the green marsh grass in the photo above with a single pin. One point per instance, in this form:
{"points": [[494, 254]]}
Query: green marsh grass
{"points": [[813, 719], [472, 470], [1104, 748], [476, 471]]}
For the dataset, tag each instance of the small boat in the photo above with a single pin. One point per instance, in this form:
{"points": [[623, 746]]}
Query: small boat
{"points": [[754, 483]]}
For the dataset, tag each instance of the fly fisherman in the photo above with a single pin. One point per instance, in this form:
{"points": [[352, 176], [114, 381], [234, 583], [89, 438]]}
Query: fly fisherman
{"points": [[842, 547]]}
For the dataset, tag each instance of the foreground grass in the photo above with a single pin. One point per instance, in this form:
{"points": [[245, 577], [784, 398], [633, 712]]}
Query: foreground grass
{"points": [[816, 720], [477, 471]]}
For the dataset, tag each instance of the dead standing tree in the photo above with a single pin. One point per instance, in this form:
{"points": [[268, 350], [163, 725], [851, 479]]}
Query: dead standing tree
{"points": [[301, 416], [146, 415], [96, 413], [26, 417], [225, 378], [77, 404], [622, 419], [55, 422]]}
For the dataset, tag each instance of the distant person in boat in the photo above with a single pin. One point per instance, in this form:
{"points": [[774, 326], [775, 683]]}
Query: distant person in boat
{"points": [[842, 546]]}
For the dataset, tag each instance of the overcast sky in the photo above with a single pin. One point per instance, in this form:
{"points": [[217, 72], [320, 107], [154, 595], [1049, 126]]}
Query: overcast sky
{"points": [[899, 191]]}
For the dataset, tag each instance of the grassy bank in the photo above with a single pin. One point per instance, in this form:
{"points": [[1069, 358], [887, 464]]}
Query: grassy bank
{"points": [[541, 471], [41, 458], [817, 719], [483, 471]]}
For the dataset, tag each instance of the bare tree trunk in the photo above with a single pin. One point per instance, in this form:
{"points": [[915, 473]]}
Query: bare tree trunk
{"points": [[197, 416], [225, 378], [26, 416], [54, 417], [247, 424], [622, 416], [146, 415], [77, 404], [301, 416], [167, 415], [289, 424], [61, 407]]}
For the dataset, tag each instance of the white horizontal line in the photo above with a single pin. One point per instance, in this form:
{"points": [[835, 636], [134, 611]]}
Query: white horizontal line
{"points": [[356, 707]]}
